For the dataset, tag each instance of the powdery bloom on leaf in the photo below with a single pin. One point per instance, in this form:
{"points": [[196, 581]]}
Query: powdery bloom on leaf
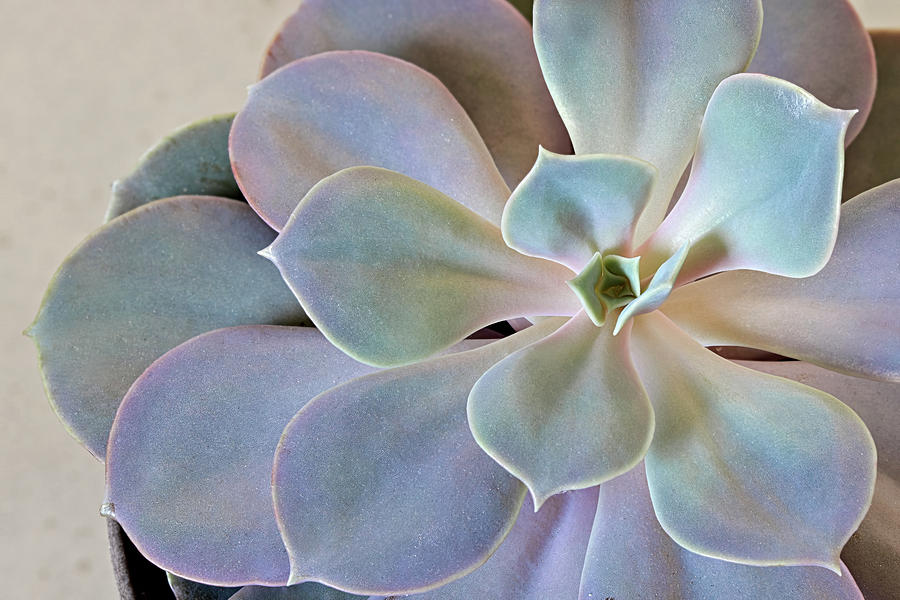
{"points": [[407, 240]]}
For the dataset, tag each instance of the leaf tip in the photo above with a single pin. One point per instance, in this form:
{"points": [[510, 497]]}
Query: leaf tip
{"points": [[267, 253], [108, 510], [537, 497]]}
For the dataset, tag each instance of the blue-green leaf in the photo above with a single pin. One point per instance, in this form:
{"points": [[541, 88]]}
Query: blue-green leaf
{"points": [[567, 412], [139, 286], [634, 78], [748, 467], [392, 271]]}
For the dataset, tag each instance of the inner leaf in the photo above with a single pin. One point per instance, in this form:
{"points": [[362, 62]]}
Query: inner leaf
{"points": [[606, 283]]}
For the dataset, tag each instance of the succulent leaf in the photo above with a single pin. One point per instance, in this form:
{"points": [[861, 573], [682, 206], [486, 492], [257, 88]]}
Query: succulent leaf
{"points": [[567, 412], [191, 450], [392, 271], [630, 556], [541, 557], [341, 109], [823, 47], [303, 591], [843, 318], [480, 49], [633, 78], [186, 589], [765, 185], [570, 207], [874, 550], [658, 290], [192, 160], [379, 487], [605, 284], [747, 467], [139, 286]]}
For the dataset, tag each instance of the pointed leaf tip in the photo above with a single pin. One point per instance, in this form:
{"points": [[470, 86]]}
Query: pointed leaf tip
{"points": [[536, 412]]}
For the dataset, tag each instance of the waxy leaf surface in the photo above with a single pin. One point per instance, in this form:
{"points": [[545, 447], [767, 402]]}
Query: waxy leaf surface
{"points": [[634, 78], [823, 47], [747, 467], [845, 317], [192, 160], [186, 589], [139, 286], [765, 185], [658, 290], [873, 552], [567, 412], [480, 49], [302, 591], [630, 556], [570, 207], [191, 451], [392, 271], [541, 557], [379, 487], [343, 109]]}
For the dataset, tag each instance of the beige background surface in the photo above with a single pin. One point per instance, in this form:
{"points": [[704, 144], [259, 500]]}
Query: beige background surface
{"points": [[86, 87]]}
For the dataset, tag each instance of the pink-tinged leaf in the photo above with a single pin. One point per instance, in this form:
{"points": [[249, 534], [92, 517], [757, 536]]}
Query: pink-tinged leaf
{"points": [[873, 552], [765, 185], [482, 50], [630, 556], [541, 557], [744, 466], [823, 47], [633, 78], [191, 450], [844, 318], [342, 109], [139, 286], [874, 157], [392, 271], [565, 413], [379, 487], [570, 207]]}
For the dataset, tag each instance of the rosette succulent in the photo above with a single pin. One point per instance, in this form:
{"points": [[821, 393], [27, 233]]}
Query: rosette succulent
{"points": [[481, 367]]}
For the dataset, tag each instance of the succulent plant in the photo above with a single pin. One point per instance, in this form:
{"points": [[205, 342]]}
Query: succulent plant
{"points": [[501, 255]]}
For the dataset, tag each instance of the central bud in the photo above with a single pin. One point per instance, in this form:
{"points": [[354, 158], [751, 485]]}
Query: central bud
{"points": [[606, 283]]}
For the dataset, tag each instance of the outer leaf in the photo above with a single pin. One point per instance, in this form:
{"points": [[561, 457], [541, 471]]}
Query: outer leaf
{"points": [[185, 589], [765, 186], [874, 550], [420, 270], [541, 557], [873, 158], [565, 413], [630, 556], [191, 160], [747, 467], [823, 47], [379, 487], [843, 318], [634, 78], [480, 49], [191, 450], [342, 109], [141, 285], [570, 207], [303, 591]]}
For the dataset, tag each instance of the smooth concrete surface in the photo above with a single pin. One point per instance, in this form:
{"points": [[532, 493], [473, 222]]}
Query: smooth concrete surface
{"points": [[87, 86]]}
